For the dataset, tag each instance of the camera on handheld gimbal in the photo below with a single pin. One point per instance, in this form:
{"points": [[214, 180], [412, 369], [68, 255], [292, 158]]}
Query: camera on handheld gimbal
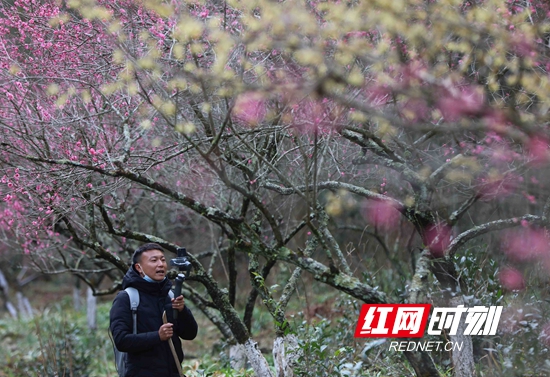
{"points": [[184, 266]]}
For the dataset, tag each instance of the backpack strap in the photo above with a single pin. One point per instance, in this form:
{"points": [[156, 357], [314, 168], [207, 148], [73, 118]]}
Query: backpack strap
{"points": [[134, 303]]}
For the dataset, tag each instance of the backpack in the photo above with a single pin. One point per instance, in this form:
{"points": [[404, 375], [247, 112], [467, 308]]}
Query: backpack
{"points": [[121, 357]]}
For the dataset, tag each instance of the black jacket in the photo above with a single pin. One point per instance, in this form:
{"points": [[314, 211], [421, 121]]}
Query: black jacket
{"points": [[148, 356]]}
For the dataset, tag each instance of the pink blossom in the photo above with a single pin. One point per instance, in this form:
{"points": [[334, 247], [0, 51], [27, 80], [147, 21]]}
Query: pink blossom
{"points": [[415, 110], [250, 108], [437, 238], [456, 103], [378, 95], [314, 115], [538, 150], [491, 188], [382, 214], [500, 155], [521, 44], [530, 197], [511, 279], [524, 223], [525, 244]]}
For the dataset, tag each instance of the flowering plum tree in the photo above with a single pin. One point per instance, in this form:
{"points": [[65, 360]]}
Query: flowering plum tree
{"points": [[295, 133]]}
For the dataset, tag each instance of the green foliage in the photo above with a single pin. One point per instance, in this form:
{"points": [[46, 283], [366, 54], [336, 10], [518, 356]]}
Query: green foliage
{"points": [[57, 342], [53, 343], [328, 348], [207, 367], [520, 347], [318, 356]]}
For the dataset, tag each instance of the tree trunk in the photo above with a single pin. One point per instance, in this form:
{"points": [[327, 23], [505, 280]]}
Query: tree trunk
{"points": [[421, 362], [77, 301], [463, 360], [237, 356], [11, 309], [444, 271], [285, 355], [25, 309], [4, 289], [256, 359], [231, 318], [91, 306]]}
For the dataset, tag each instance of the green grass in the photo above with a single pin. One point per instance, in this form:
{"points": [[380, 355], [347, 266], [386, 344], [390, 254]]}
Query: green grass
{"points": [[57, 342]]}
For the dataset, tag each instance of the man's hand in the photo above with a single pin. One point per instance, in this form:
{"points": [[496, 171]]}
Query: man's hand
{"points": [[166, 331], [178, 304]]}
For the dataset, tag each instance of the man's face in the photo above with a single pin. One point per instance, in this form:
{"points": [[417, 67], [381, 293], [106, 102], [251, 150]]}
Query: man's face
{"points": [[153, 264]]}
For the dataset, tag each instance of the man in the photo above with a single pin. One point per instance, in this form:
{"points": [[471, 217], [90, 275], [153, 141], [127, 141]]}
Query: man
{"points": [[149, 353]]}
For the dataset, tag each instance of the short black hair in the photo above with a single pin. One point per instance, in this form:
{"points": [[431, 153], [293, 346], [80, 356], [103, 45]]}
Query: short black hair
{"points": [[143, 248]]}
